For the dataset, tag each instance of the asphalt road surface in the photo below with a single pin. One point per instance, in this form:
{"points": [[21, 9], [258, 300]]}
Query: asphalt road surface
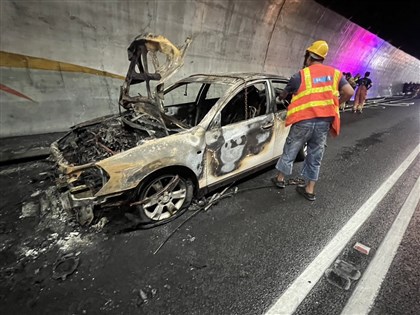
{"points": [[263, 250]]}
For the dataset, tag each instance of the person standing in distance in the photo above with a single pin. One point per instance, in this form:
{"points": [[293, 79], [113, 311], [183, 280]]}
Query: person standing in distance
{"points": [[363, 85], [314, 110]]}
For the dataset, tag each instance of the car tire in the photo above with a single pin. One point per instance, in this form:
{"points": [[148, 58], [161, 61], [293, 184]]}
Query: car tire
{"points": [[169, 206], [301, 156]]}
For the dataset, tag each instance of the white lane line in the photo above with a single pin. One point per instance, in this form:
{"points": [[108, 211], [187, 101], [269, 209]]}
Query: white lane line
{"points": [[375, 107], [396, 104], [368, 287], [300, 288]]}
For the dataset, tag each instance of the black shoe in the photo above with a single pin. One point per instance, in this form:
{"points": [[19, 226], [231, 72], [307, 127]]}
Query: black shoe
{"points": [[301, 190], [279, 183]]}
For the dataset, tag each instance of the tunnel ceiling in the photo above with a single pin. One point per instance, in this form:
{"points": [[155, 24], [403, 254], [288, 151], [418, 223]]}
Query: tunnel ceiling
{"points": [[395, 22]]}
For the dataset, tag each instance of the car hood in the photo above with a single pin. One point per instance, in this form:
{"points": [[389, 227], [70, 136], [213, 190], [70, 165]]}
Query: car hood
{"points": [[143, 55]]}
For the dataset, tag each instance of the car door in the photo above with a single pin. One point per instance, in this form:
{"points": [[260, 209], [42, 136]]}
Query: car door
{"points": [[240, 137]]}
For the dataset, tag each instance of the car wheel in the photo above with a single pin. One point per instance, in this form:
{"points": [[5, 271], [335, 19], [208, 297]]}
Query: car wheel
{"points": [[169, 204], [301, 156]]}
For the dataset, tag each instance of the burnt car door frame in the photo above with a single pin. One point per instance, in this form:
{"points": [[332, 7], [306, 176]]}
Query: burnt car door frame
{"points": [[280, 129]]}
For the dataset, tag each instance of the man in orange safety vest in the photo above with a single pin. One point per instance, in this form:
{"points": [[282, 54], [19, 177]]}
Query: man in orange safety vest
{"points": [[314, 111]]}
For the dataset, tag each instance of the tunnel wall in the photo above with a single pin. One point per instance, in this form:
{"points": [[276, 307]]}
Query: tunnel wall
{"points": [[63, 62]]}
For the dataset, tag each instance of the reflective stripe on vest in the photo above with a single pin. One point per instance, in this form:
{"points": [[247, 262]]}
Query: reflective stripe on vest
{"points": [[310, 104]]}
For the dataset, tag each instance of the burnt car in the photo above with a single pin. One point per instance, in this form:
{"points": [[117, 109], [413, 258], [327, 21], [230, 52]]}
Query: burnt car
{"points": [[163, 149]]}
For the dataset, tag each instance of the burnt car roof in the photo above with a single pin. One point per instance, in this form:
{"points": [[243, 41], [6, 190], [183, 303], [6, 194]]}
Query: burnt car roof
{"points": [[231, 78]]}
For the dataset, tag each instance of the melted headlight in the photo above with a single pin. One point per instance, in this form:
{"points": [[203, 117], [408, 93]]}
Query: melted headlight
{"points": [[89, 182]]}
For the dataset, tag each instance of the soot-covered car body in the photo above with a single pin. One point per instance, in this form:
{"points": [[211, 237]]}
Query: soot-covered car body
{"points": [[161, 150]]}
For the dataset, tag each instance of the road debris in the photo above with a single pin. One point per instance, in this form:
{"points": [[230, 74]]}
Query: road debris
{"points": [[36, 193], [65, 266], [347, 269], [144, 295], [100, 225], [361, 248], [206, 203], [198, 266], [205, 206], [29, 209], [337, 279], [342, 274], [72, 241]]}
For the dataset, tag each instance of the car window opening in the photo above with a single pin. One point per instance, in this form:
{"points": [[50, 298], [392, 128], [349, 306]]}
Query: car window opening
{"points": [[280, 104], [250, 102], [195, 101]]}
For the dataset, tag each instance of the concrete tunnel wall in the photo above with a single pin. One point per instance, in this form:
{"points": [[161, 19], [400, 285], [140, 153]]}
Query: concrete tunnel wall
{"points": [[63, 62]]}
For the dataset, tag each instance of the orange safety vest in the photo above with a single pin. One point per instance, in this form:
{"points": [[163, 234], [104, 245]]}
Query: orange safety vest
{"points": [[317, 96]]}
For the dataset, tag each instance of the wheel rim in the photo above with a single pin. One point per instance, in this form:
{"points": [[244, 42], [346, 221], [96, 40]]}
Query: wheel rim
{"points": [[169, 203]]}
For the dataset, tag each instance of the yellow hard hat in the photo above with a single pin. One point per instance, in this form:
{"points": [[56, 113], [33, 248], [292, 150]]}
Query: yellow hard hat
{"points": [[319, 48]]}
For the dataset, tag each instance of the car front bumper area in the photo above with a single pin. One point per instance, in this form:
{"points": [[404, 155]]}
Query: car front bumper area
{"points": [[82, 206], [80, 193]]}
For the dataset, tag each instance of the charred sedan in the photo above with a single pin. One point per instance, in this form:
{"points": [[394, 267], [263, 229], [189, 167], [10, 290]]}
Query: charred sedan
{"points": [[163, 149]]}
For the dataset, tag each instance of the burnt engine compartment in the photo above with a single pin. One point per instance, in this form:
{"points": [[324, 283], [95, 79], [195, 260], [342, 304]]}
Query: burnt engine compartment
{"points": [[104, 138]]}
